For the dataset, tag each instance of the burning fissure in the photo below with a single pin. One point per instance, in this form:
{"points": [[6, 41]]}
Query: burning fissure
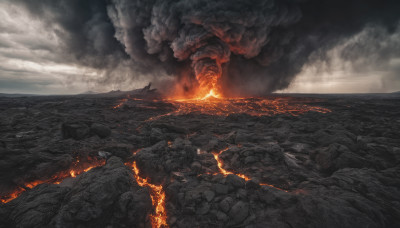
{"points": [[157, 194], [76, 168], [226, 172]]}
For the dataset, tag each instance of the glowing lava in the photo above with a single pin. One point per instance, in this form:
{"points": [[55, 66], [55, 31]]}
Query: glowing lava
{"points": [[226, 172], [121, 103], [251, 106], [211, 94], [157, 194], [76, 169]]}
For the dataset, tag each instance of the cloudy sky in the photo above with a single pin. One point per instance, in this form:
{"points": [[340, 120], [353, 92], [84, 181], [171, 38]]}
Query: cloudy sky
{"points": [[32, 61]]}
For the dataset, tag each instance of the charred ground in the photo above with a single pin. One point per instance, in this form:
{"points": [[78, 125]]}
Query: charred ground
{"points": [[333, 169]]}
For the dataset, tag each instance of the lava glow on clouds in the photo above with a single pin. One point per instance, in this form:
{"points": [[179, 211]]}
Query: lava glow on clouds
{"points": [[273, 46]]}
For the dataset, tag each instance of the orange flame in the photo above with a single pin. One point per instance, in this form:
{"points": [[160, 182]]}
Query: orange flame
{"points": [[157, 194], [76, 169], [226, 172]]}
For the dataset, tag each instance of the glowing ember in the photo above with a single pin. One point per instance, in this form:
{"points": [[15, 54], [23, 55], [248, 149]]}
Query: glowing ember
{"points": [[76, 169], [157, 194], [121, 102], [226, 172], [13, 195]]}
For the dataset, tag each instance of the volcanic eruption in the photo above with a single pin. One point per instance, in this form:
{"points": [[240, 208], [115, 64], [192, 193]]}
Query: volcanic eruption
{"points": [[192, 49], [214, 148]]}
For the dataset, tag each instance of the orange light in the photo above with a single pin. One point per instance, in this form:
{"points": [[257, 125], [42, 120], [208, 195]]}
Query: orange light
{"points": [[74, 171], [121, 102], [13, 195], [216, 105], [211, 94], [226, 172], [157, 195]]}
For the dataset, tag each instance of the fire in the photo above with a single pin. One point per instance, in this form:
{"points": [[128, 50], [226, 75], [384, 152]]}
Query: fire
{"points": [[76, 169], [226, 172], [157, 194], [208, 99], [211, 94]]}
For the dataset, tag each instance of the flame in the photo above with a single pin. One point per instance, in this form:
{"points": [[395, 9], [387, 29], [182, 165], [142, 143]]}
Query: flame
{"points": [[208, 85], [226, 172], [211, 94], [157, 194], [76, 169]]}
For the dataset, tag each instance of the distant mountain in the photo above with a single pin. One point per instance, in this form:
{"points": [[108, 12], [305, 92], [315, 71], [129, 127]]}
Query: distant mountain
{"points": [[17, 95], [89, 92]]}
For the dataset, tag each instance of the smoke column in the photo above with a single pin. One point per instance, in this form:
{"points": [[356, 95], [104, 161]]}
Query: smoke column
{"points": [[233, 46]]}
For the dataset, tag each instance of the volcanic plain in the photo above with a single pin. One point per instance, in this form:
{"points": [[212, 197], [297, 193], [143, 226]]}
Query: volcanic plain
{"points": [[136, 160]]}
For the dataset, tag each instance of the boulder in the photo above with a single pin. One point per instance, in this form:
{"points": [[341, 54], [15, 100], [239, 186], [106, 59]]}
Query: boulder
{"points": [[100, 130], [75, 130], [239, 212]]}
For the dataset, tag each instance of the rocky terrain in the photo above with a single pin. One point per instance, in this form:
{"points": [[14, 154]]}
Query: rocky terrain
{"points": [[335, 169]]}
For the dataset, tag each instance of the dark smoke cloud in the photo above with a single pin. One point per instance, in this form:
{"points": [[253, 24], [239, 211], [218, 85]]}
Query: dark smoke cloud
{"points": [[83, 27], [257, 45]]}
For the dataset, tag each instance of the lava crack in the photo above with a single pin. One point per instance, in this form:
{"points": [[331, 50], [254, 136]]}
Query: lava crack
{"points": [[76, 168], [226, 172], [157, 194]]}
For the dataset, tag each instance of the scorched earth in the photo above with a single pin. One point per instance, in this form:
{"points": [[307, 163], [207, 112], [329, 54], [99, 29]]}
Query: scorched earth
{"points": [[135, 160]]}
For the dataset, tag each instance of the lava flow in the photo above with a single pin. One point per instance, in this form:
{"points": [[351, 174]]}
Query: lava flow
{"points": [[157, 194], [215, 103], [76, 169], [226, 172]]}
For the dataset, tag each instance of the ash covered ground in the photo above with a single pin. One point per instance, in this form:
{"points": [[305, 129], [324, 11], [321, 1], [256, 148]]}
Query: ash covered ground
{"points": [[68, 162]]}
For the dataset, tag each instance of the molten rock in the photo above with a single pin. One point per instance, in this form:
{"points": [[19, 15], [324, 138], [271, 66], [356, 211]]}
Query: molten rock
{"points": [[292, 167]]}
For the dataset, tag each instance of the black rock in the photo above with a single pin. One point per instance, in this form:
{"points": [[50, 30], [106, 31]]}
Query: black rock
{"points": [[75, 130], [101, 130], [235, 181], [239, 212]]}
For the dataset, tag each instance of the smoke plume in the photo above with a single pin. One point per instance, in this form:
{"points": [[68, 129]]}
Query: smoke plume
{"points": [[240, 47]]}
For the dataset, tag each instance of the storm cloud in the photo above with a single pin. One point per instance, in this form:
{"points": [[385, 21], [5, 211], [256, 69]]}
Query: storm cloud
{"points": [[254, 46]]}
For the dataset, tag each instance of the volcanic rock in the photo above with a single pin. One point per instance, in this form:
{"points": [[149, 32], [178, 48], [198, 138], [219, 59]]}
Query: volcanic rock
{"points": [[101, 130], [239, 212], [226, 204], [334, 169], [209, 195], [90, 202], [235, 181], [75, 130]]}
